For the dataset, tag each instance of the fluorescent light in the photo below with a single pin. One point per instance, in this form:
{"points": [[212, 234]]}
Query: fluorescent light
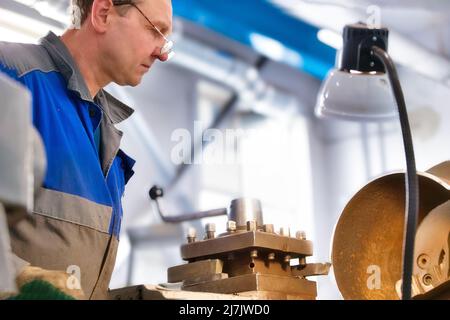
{"points": [[275, 50], [330, 38]]}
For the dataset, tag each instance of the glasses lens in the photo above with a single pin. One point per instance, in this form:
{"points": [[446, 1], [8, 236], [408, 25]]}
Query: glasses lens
{"points": [[167, 47], [170, 55]]}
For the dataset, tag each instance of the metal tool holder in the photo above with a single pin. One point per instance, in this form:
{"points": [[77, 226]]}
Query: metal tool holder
{"points": [[249, 259]]}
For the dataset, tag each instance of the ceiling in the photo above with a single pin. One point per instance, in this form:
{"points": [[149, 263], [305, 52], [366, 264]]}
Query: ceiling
{"points": [[287, 30]]}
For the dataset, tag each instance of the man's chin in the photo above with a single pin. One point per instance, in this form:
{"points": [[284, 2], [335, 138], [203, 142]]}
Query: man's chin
{"points": [[130, 82]]}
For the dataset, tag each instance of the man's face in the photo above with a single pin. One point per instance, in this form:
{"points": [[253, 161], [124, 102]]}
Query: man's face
{"points": [[131, 44]]}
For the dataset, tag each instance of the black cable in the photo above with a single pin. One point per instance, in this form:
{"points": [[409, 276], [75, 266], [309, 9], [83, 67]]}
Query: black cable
{"points": [[411, 180]]}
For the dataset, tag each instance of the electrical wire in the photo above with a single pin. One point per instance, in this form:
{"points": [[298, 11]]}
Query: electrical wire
{"points": [[411, 179]]}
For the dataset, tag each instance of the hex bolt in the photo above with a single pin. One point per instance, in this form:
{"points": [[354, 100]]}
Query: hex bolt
{"points": [[231, 226], [268, 228], [251, 225], [254, 254], [210, 229], [271, 256], [422, 261], [287, 259], [191, 235], [286, 232], [302, 261], [300, 235], [427, 279]]}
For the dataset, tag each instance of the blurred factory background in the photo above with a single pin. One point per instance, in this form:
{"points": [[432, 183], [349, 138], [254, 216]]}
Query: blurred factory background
{"points": [[255, 67]]}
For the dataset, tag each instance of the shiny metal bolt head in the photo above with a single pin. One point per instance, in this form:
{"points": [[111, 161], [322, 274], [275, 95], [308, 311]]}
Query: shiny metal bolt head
{"points": [[251, 225], [231, 226]]}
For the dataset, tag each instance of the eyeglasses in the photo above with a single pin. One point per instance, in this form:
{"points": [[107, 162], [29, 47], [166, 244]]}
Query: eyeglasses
{"points": [[168, 45]]}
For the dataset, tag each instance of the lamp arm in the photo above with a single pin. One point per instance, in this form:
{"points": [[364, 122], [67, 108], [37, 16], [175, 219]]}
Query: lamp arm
{"points": [[411, 182]]}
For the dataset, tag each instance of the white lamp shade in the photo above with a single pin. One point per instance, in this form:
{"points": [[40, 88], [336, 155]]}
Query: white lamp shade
{"points": [[356, 96]]}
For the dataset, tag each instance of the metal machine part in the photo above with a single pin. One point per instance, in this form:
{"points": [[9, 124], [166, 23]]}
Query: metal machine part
{"points": [[249, 259], [368, 238], [16, 184], [243, 210], [15, 170], [432, 251], [157, 192], [22, 167]]}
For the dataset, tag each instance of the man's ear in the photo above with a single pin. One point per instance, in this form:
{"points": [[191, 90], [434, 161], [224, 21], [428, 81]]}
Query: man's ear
{"points": [[100, 12]]}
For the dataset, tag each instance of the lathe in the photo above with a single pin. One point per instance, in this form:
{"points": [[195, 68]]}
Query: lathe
{"points": [[253, 260]]}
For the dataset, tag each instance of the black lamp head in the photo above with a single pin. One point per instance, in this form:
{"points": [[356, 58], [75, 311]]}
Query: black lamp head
{"points": [[357, 51]]}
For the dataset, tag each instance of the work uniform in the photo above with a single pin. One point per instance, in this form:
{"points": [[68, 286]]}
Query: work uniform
{"points": [[77, 215]]}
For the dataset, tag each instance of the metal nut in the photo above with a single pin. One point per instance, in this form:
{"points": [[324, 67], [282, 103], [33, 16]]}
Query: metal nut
{"points": [[286, 232], [210, 229], [301, 235], [268, 228], [301, 261], [271, 256], [287, 259], [422, 261], [254, 254], [191, 235], [251, 225], [427, 279], [231, 226]]}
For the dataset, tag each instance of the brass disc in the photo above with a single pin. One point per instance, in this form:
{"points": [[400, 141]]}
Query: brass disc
{"points": [[368, 237]]}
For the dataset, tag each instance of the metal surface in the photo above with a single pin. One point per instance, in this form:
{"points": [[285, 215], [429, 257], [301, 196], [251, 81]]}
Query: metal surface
{"points": [[442, 292], [194, 270], [432, 252], [246, 240], [243, 210], [312, 269], [368, 238], [16, 149], [297, 288], [152, 292]]}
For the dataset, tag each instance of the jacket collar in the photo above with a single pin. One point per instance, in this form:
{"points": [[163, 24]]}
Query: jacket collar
{"points": [[115, 110]]}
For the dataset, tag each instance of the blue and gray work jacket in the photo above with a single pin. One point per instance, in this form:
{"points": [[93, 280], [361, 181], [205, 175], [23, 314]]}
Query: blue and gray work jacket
{"points": [[77, 214]]}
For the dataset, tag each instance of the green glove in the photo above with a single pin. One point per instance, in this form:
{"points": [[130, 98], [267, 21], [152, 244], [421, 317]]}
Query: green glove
{"points": [[40, 290]]}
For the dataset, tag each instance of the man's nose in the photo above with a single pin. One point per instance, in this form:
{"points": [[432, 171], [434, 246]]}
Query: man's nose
{"points": [[163, 53]]}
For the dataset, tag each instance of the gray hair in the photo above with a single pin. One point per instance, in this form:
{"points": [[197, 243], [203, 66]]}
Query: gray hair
{"points": [[80, 10]]}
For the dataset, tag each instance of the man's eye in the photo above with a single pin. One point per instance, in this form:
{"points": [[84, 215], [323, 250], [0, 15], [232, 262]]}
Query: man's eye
{"points": [[151, 30]]}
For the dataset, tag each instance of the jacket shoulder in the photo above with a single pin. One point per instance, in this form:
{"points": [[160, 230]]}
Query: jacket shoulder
{"points": [[24, 58]]}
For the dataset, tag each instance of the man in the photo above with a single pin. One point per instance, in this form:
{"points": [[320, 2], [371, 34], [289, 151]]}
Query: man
{"points": [[77, 215]]}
